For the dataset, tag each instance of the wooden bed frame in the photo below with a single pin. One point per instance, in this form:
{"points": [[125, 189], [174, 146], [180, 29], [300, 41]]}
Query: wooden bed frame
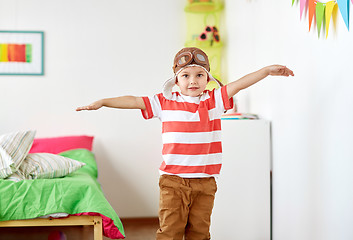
{"points": [[72, 221]]}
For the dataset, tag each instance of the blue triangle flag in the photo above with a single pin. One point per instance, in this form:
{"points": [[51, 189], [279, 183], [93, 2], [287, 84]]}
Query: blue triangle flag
{"points": [[343, 5]]}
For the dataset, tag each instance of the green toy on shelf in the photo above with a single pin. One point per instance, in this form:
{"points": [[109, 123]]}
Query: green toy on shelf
{"points": [[203, 21], [203, 6]]}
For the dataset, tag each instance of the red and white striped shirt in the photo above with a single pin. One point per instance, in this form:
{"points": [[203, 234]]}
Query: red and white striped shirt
{"points": [[191, 131]]}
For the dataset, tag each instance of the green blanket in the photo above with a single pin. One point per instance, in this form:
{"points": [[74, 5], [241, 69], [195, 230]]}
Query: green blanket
{"points": [[76, 193]]}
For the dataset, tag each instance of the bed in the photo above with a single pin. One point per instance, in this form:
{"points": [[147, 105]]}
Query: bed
{"points": [[69, 207]]}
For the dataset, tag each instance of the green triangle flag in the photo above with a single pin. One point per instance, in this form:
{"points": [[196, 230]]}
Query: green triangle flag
{"points": [[320, 12]]}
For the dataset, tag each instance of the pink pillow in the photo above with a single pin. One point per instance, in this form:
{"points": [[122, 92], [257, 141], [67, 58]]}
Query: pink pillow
{"points": [[57, 145]]}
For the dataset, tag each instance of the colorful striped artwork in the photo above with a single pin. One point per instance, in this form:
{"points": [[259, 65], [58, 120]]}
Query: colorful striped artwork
{"points": [[21, 53], [12, 52]]}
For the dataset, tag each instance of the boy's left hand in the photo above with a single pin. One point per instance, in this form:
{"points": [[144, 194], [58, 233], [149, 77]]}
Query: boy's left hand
{"points": [[279, 70]]}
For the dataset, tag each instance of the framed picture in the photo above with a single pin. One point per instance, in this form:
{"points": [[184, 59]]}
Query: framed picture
{"points": [[21, 53]]}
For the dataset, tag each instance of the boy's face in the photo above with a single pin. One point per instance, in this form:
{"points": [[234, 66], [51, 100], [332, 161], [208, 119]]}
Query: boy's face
{"points": [[192, 81]]}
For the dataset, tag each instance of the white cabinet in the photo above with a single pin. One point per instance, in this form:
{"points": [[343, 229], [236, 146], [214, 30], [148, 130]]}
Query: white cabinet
{"points": [[242, 209]]}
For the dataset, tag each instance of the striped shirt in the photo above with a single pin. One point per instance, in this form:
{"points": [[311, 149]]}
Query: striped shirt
{"points": [[191, 131]]}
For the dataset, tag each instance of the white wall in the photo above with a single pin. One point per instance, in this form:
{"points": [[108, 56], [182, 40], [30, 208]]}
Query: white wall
{"points": [[96, 49], [311, 114]]}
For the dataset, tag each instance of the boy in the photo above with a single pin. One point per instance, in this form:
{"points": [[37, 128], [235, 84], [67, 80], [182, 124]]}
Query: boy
{"points": [[191, 128]]}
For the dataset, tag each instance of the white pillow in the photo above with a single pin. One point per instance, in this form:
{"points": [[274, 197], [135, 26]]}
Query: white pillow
{"points": [[47, 165], [14, 147]]}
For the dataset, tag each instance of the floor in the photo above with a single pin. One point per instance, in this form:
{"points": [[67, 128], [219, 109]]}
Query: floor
{"points": [[140, 228]]}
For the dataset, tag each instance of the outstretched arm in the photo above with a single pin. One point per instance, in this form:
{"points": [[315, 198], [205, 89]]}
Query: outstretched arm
{"points": [[124, 102], [252, 78]]}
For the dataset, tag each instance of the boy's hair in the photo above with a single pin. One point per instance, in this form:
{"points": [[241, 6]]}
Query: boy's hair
{"points": [[190, 56]]}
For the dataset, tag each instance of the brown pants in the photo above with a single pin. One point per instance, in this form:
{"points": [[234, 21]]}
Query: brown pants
{"points": [[185, 207]]}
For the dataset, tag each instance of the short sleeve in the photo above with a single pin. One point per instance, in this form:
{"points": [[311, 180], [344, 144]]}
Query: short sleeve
{"points": [[153, 107], [222, 99]]}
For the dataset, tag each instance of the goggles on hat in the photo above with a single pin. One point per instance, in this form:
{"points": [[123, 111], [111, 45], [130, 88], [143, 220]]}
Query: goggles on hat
{"points": [[186, 58]]}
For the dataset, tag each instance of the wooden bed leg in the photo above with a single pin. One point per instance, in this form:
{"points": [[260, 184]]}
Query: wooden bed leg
{"points": [[98, 228]]}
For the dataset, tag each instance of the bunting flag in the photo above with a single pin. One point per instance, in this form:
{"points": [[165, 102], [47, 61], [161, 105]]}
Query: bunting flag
{"points": [[302, 6], [330, 6], [323, 11], [312, 6], [320, 12], [343, 6]]}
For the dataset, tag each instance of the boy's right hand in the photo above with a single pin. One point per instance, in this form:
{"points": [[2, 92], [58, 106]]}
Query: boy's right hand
{"points": [[94, 106]]}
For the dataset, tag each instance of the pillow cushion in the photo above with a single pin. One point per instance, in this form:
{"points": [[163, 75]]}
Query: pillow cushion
{"points": [[16, 176], [85, 156], [14, 148], [57, 145], [47, 165]]}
